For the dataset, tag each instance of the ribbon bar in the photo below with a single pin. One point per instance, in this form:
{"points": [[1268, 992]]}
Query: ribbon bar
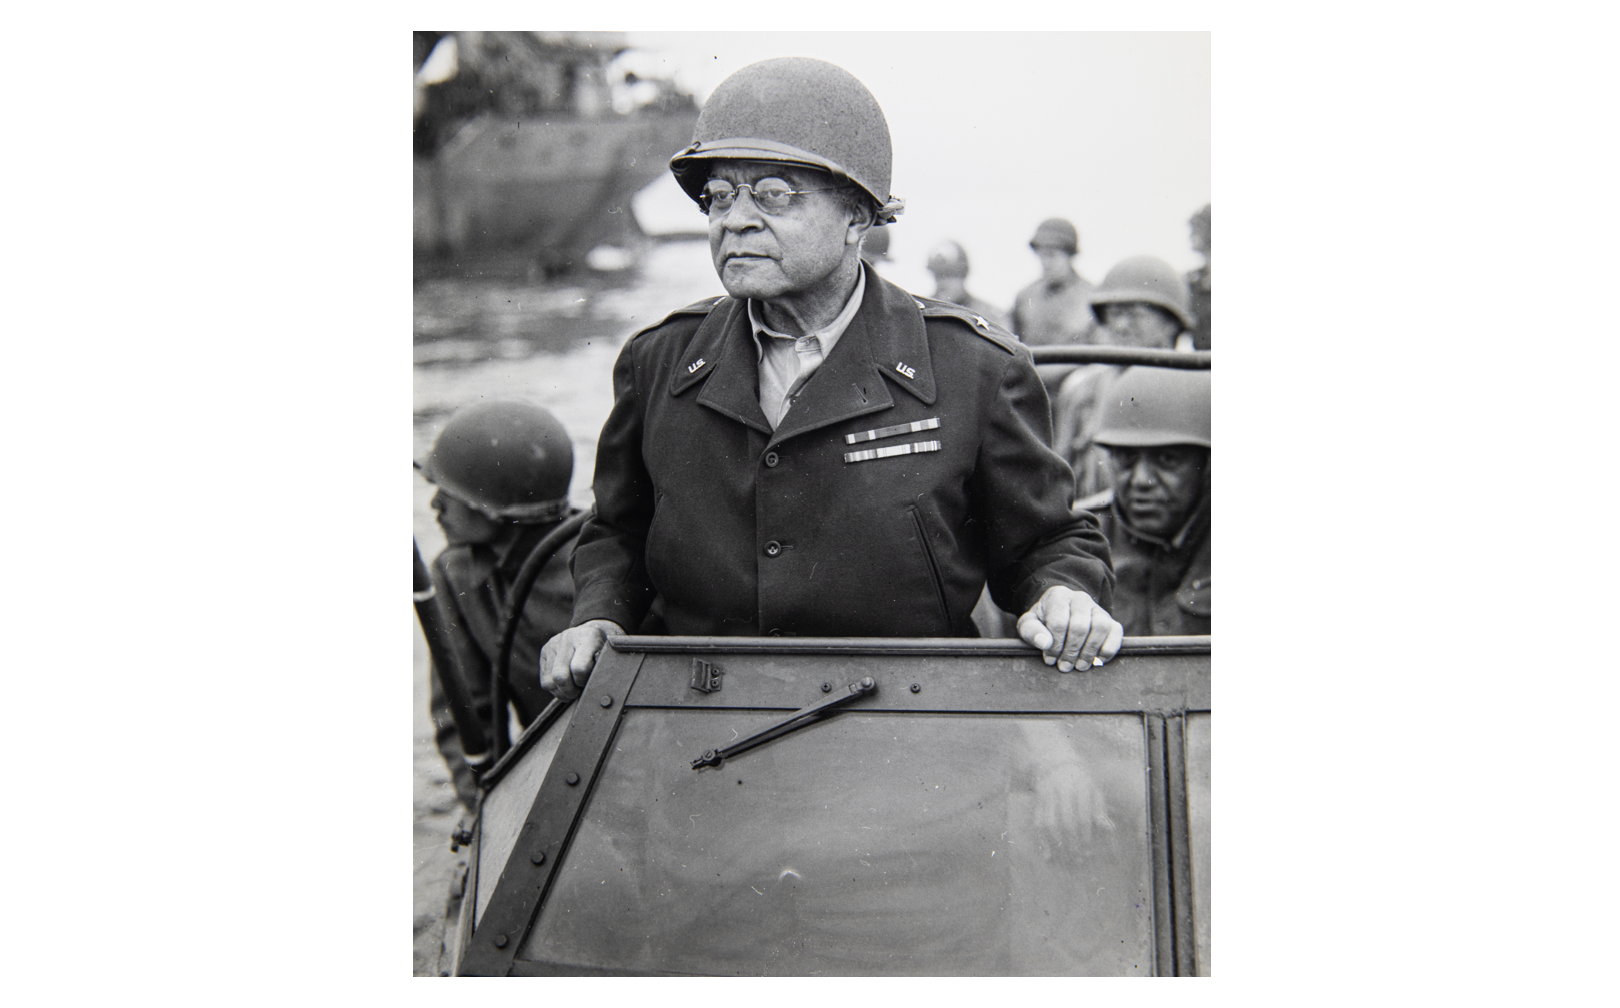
{"points": [[891, 451], [883, 432]]}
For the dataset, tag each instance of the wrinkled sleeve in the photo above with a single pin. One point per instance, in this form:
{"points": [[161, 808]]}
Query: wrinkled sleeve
{"points": [[1024, 490], [609, 564], [472, 665]]}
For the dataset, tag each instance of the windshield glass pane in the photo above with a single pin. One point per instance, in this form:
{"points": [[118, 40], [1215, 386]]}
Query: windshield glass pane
{"points": [[924, 844]]}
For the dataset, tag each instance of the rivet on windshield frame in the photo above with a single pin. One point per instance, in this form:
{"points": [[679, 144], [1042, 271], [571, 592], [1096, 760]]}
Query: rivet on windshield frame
{"points": [[500, 941], [826, 687], [538, 857], [916, 687], [607, 701], [572, 778]]}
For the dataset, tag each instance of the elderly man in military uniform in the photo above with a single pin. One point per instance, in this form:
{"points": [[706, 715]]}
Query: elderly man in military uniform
{"points": [[1155, 425], [820, 453]]}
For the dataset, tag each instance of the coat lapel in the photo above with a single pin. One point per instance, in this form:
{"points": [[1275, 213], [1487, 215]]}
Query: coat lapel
{"points": [[722, 355], [899, 338], [848, 384], [887, 339]]}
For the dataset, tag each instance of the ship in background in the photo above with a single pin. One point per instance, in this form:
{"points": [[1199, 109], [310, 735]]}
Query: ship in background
{"points": [[530, 145]]}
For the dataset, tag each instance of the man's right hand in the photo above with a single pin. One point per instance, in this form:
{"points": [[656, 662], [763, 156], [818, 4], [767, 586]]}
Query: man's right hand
{"points": [[567, 659]]}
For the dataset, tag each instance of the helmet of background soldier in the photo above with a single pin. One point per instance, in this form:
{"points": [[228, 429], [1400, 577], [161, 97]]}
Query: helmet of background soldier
{"points": [[1198, 224], [948, 259], [875, 246], [1055, 232], [798, 111], [1154, 406], [1146, 280], [509, 461]]}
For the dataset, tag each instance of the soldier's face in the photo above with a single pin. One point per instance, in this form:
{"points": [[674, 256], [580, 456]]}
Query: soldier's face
{"points": [[1158, 488], [462, 525], [792, 252], [1133, 323], [1054, 261]]}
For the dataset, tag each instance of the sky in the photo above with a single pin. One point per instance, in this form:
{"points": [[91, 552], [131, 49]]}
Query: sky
{"points": [[995, 131]]}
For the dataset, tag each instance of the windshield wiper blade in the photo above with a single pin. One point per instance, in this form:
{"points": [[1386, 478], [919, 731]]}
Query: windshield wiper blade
{"points": [[798, 719]]}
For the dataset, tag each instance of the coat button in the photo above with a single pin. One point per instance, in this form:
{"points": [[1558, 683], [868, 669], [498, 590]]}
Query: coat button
{"points": [[771, 458], [772, 548]]}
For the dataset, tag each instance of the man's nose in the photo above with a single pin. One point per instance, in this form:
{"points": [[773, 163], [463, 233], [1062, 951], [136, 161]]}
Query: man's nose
{"points": [[1143, 473], [737, 218]]}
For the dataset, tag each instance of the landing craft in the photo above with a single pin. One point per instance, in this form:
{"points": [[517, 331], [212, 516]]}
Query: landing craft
{"points": [[853, 806], [531, 144]]}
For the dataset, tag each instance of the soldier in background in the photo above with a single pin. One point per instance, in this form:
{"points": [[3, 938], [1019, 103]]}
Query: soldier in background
{"points": [[1141, 303], [1057, 307], [502, 471], [949, 264], [1198, 279], [1155, 425], [875, 247]]}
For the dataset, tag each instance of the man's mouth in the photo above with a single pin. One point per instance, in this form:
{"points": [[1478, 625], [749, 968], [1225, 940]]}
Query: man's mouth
{"points": [[745, 257]]}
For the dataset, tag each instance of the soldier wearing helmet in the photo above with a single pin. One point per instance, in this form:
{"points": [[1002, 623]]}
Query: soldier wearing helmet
{"points": [[1155, 425], [875, 248], [949, 264], [1057, 307], [1198, 279], [502, 471], [820, 453], [1143, 302]]}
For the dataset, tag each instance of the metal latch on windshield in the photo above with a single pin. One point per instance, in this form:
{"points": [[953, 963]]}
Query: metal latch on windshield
{"points": [[706, 676]]}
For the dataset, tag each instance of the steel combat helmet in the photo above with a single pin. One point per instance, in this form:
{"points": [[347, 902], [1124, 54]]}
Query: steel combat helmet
{"points": [[1055, 232], [948, 259], [507, 460], [798, 111], [1153, 406], [1149, 281]]}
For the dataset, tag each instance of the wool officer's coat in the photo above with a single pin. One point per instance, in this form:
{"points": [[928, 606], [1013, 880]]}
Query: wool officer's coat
{"points": [[746, 531]]}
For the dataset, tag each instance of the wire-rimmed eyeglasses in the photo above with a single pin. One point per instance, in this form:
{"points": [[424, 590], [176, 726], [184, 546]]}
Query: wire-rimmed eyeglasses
{"points": [[772, 195]]}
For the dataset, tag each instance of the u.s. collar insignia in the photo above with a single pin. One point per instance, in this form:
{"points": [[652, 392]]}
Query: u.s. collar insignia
{"points": [[692, 367], [909, 372]]}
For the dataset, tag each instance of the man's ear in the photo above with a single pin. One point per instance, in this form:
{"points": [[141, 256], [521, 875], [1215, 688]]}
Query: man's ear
{"points": [[861, 220]]}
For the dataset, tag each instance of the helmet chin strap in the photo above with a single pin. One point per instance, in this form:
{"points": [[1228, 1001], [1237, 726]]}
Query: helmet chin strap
{"points": [[522, 514], [526, 514]]}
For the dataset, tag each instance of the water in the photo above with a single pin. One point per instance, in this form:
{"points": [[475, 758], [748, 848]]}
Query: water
{"points": [[503, 336], [552, 344]]}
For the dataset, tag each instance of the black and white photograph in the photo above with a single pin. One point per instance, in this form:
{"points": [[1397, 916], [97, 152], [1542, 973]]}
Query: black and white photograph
{"points": [[811, 421], [812, 503]]}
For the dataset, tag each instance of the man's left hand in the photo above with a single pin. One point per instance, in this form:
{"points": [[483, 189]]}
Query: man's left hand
{"points": [[1071, 629]]}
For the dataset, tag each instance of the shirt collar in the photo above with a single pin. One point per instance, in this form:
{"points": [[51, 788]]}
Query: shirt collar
{"points": [[827, 336]]}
